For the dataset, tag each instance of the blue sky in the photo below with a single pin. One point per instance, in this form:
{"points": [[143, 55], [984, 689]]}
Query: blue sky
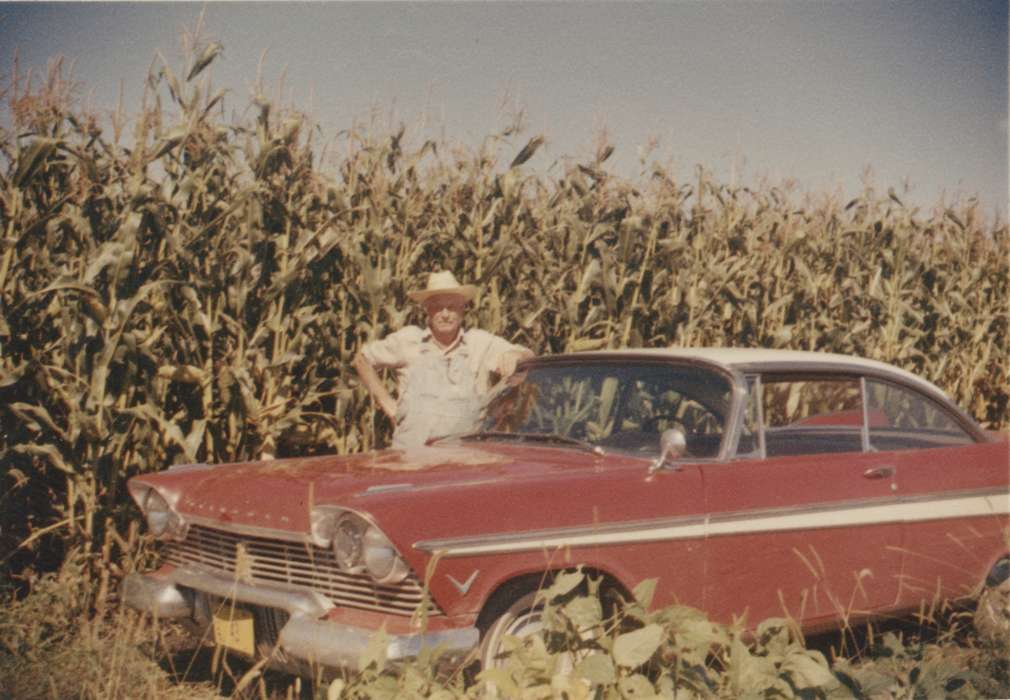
{"points": [[816, 91]]}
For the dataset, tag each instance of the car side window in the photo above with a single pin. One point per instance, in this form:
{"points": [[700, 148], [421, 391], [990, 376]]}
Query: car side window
{"points": [[900, 418], [654, 401], [811, 415]]}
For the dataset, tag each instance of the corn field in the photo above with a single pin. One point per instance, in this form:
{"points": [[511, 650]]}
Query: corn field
{"points": [[182, 287]]}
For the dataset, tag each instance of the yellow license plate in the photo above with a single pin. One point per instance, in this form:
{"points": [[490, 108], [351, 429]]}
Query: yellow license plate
{"points": [[233, 628]]}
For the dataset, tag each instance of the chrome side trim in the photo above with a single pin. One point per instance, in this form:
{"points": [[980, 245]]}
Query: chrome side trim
{"points": [[382, 488], [974, 503], [572, 536]]}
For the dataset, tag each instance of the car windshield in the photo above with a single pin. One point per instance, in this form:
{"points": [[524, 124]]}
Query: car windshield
{"points": [[617, 406]]}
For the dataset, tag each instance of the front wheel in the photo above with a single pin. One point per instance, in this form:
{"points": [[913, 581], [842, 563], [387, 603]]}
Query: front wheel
{"points": [[524, 617], [520, 619]]}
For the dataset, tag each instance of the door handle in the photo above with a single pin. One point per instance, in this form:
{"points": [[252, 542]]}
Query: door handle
{"points": [[879, 473]]}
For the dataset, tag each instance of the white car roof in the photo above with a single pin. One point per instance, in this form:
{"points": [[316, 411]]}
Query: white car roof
{"points": [[738, 358]]}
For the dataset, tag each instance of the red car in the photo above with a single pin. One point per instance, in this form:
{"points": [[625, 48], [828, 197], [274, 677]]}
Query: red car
{"points": [[748, 482]]}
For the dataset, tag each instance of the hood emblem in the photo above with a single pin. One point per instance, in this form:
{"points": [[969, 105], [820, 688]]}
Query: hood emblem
{"points": [[465, 586]]}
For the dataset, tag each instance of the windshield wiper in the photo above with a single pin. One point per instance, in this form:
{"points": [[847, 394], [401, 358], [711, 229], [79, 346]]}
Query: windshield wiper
{"points": [[537, 437]]}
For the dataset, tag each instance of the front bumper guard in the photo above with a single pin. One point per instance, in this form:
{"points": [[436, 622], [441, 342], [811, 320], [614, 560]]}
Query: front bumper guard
{"points": [[304, 637]]}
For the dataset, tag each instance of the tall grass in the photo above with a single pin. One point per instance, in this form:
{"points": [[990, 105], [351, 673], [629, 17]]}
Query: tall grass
{"points": [[181, 287], [47, 652], [53, 646]]}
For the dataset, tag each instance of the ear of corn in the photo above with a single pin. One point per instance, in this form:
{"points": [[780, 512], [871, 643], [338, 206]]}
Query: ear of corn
{"points": [[198, 293]]}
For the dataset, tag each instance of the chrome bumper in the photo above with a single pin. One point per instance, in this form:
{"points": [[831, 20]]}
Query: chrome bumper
{"points": [[304, 637]]}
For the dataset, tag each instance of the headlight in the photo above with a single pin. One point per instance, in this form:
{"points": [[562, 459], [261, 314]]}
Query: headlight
{"points": [[347, 542], [162, 521], [359, 546], [159, 515], [381, 559]]}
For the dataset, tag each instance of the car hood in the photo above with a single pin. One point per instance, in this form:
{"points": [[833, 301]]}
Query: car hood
{"points": [[281, 493]]}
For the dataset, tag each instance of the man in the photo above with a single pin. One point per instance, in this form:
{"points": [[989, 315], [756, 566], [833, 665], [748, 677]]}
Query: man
{"points": [[444, 370]]}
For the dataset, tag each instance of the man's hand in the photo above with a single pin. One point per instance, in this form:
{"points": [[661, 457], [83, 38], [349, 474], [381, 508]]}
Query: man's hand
{"points": [[508, 361], [388, 407]]}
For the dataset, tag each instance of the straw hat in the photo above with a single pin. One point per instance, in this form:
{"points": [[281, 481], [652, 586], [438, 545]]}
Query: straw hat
{"points": [[443, 283]]}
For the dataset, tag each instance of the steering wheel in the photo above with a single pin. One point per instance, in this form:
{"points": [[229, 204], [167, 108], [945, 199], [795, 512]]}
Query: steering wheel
{"points": [[651, 425]]}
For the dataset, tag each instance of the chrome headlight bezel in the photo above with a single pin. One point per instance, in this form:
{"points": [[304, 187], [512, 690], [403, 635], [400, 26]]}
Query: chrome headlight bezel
{"points": [[158, 513], [347, 542], [382, 561], [163, 522], [358, 545]]}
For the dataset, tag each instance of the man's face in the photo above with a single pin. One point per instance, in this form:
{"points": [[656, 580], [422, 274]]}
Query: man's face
{"points": [[445, 313]]}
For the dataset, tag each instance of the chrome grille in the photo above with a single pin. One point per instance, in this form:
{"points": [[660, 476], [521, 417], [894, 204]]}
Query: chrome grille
{"points": [[300, 565]]}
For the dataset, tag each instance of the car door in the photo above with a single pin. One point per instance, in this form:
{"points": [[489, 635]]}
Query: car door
{"points": [[802, 527], [952, 492], [661, 511]]}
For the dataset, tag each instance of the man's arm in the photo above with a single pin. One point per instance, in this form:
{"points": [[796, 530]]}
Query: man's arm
{"points": [[508, 360], [499, 355], [376, 387]]}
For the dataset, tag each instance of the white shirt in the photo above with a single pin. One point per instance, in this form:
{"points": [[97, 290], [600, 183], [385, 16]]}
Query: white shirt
{"points": [[441, 391]]}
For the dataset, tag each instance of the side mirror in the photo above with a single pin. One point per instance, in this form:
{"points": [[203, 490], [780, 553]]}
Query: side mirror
{"points": [[672, 446]]}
